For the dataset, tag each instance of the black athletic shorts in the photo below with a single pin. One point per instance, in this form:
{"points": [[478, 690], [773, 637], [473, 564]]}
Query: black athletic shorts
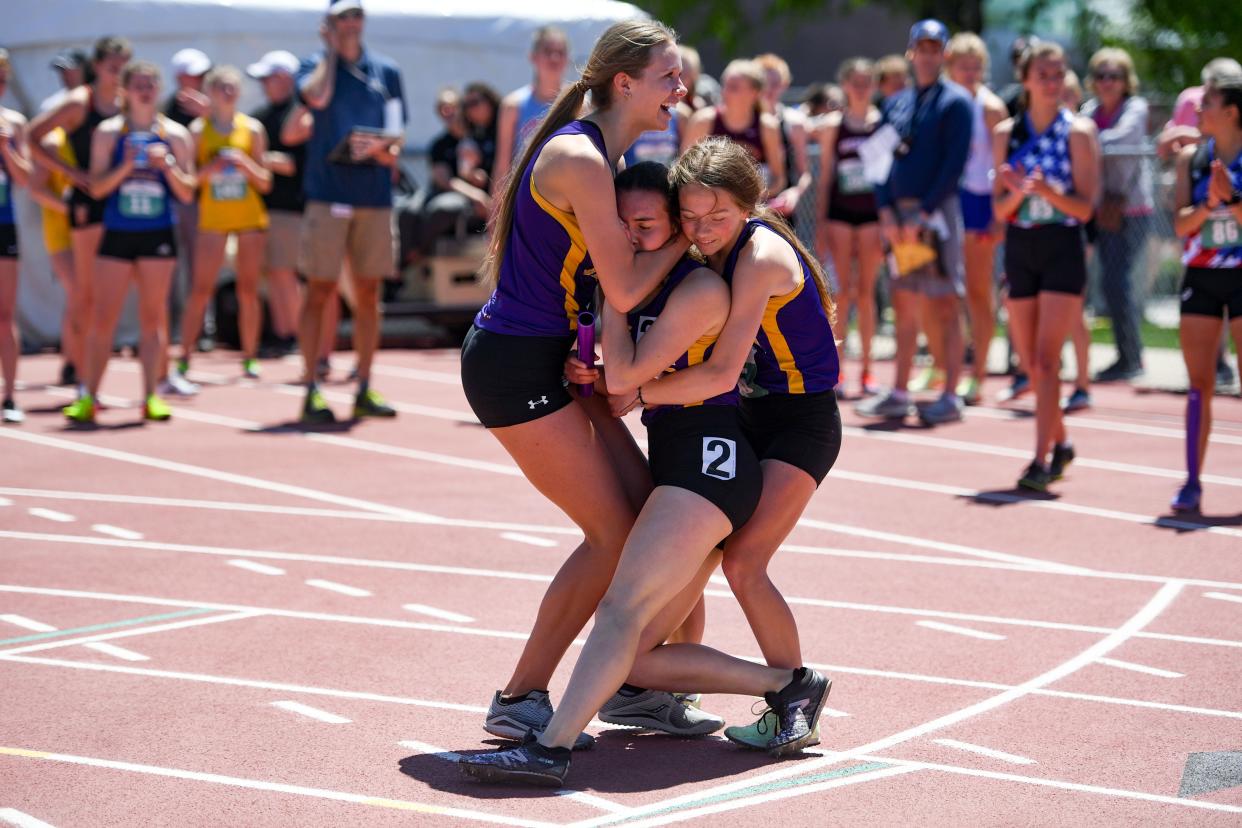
{"points": [[8, 241], [1047, 259], [702, 449], [510, 380], [855, 218], [84, 210], [803, 430], [1210, 291], [131, 245]]}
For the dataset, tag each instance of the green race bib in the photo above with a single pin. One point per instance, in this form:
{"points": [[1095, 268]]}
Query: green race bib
{"points": [[852, 179], [1220, 230], [1037, 210], [228, 186], [141, 199], [4, 189]]}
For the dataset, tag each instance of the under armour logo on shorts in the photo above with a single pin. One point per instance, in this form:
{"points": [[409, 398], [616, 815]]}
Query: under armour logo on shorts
{"points": [[1187, 293], [163, 250], [541, 401]]}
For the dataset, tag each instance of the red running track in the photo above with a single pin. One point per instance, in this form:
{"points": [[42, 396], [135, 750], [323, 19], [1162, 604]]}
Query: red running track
{"points": [[223, 619]]}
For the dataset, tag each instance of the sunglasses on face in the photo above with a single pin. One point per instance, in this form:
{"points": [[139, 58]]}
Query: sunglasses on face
{"points": [[470, 103], [554, 52], [352, 14], [1109, 76]]}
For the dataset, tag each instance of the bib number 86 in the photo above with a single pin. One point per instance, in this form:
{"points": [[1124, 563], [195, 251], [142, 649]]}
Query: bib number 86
{"points": [[719, 458]]}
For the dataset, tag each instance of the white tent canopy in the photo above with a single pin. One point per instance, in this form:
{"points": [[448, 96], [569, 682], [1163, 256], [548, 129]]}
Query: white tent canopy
{"points": [[435, 42]]}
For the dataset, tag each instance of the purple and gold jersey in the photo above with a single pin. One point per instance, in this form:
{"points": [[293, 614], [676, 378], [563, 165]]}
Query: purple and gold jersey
{"points": [[641, 319], [546, 275], [795, 350]]}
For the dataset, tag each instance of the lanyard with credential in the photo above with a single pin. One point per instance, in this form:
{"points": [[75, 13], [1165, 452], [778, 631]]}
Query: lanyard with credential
{"points": [[367, 78]]}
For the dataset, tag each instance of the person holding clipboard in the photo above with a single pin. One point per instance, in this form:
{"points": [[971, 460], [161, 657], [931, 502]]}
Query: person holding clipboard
{"points": [[358, 108]]}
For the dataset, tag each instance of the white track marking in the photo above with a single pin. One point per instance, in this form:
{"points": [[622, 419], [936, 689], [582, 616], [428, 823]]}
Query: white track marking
{"points": [[128, 633], [116, 531], [116, 652], [438, 377], [966, 631], [1148, 613], [17, 819], [578, 796], [406, 408], [1139, 668], [1223, 596], [50, 514], [343, 589], [4, 501], [983, 751], [833, 713], [1113, 425], [530, 540], [310, 712], [434, 612], [252, 566], [27, 623], [276, 787]]}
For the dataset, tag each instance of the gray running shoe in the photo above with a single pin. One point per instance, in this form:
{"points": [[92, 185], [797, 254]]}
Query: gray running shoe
{"points": [[797, 706], [887, 406], [946, 409], [528, 764], [658, 710], [518, 719]]}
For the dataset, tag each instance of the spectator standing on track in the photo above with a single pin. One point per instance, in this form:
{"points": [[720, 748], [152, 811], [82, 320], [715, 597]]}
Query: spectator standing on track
{"points": [[794, 136], [15, 169], [966, 61], [523, 109], [286, 123], [1126, 202], [71, 66], [919, 205], [742, 117], [1209, 214], [849, 230], [1047, 175], [359, 112]]}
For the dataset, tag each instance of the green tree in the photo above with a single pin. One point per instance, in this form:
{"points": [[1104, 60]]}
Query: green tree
{"points": [[1171, 40]]}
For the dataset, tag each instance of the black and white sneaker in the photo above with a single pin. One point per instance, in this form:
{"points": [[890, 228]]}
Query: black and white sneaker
{"points": [[519, 717], [1062, 456], [797, 707], [658, 710], [530, 763]]}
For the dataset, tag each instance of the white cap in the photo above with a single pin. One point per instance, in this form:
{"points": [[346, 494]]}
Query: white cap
{"points": [[273, 62], [336, 7], [190, 62]]}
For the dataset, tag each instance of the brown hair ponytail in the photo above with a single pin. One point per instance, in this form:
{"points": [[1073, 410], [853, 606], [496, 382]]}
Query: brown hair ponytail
{"points": [[623, 47]]}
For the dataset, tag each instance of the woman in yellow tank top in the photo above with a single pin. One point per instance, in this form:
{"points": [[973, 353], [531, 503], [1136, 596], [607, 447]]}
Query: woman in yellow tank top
{"points": [[50, 188], [232, 177]]}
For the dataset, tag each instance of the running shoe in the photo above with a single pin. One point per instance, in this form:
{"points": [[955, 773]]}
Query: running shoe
{"points": [[946, 409], [1062, 456], [797, 706], [81, 410], [315, 410], [869, 387], [1224, 375], [68, 374], [12, 414], [1079, 400], [1188, 497], [1020, 385], [694, 700], [519, 718], [929, 379], [323, 368], [156, 409], [755, 736], [176, 385], [889, 406], [250, 368], [530, 763], [1036, 477], [370, 404], [1118, 372], [658, 710], [968, 390], [183, 366]]}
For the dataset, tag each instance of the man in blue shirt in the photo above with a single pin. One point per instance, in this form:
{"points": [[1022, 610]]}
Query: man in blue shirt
{"points": [[358, 108], [919, 204]]}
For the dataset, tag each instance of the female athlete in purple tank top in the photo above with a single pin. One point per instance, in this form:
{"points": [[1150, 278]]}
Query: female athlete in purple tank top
{"points": [[555, 236]]}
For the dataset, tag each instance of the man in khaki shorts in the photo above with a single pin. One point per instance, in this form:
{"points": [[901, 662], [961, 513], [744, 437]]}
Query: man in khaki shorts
{"points": [[358, 113]]}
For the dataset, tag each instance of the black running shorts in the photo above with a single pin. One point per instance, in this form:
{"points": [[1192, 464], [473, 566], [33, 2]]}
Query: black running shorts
{"points": [[702, 449], [1047, 259], [510, 380], [84, 211], [1212, 291], [131, 245], [8, 241], [803, 430]]}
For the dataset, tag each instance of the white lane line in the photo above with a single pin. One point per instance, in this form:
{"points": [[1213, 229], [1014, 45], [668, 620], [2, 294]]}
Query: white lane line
{"points": [[1223, 596], [407, 408], [27, 623], [951, 628], [1112, 425], [434, 612], [116, 531], [983, 751], [1139, 668], [262, 569], [833, 713], [311, 712], [532, 540], [4, 501], [116, 652], [50, 514], [343, 589], [128, 633], [277, 787], [18, 819], [578, 796]]}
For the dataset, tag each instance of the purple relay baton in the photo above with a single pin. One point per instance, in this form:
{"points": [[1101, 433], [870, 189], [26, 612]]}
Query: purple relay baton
{"points": [[586, 347]]}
